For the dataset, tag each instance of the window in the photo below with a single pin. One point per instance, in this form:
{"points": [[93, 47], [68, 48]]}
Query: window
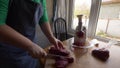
{"points": [[102, 18], [90, 10], [81, 7], [108, 25]]}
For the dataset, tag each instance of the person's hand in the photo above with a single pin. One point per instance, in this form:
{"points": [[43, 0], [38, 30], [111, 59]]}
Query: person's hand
{"points": [[36, 51], [57, 43]]}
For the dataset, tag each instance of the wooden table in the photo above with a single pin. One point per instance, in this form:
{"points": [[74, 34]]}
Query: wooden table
{"points": [[84, 59]]}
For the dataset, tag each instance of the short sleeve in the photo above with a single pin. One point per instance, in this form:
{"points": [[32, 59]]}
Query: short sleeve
{"points": [[44, 18], [3, 11]]}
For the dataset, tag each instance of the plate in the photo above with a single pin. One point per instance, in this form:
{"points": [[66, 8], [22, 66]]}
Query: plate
{"points": [[88, 45]]}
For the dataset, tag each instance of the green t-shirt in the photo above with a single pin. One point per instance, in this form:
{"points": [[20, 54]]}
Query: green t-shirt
{"points": [[4, 11]]}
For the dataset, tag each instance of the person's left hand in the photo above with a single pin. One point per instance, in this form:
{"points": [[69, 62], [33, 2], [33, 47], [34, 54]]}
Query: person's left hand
{"points": [[57, 43]]}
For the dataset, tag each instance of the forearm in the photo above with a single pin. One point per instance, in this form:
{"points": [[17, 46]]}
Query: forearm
{"points": [[10, 36], [47, 31]]}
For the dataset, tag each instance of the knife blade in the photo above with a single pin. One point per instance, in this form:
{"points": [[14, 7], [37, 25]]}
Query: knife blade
{"points": [[54, 56]]}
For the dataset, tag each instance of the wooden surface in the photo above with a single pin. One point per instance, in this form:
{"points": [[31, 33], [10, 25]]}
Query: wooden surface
{"points": [[84, 59]]}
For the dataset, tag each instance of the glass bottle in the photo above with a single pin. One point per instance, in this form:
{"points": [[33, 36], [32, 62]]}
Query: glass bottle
{"points": [[79, 27], [80, 33]]}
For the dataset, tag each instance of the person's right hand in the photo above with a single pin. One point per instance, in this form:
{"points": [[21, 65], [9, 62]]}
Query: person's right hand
{"points": [[36, 51], [57, 43]]}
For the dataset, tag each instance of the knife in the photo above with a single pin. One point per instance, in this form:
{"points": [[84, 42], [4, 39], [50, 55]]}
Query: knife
{"points": [[54, 56]]}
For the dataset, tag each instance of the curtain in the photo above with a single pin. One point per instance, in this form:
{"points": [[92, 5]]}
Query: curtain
{"points": [[60, 8], [63, 9], [93, 18]]}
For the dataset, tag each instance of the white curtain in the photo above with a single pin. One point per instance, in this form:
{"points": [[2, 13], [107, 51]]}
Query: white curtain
{"points": [[63, 9], [60, 9], [93, 19]]}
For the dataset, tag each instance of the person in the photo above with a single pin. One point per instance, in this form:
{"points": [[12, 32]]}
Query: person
{"points": [[18, 18]]}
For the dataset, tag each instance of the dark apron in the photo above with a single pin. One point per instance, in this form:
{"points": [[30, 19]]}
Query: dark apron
{"points": [[23, 15]]}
